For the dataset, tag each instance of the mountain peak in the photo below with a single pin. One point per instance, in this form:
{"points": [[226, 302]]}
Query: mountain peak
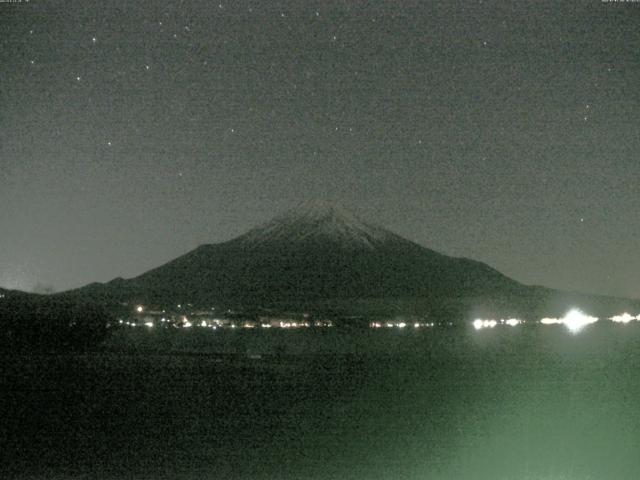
{"points": [[318, 221], [318, 211]]}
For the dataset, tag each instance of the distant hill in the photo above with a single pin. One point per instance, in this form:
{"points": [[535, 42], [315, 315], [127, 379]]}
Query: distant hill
{"points": [[319, 256], [53, 323], [17, 294]]}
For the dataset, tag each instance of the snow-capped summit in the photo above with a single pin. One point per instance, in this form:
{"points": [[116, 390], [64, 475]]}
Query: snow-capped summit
{"points": [[315, 222]]}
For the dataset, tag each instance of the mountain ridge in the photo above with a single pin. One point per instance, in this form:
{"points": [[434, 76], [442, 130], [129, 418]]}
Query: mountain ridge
{"points": [[322, 254]]}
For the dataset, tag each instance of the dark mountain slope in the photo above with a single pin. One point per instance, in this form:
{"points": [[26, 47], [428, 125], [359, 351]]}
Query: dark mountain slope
{"points": [[313, 252], [319, 253]]}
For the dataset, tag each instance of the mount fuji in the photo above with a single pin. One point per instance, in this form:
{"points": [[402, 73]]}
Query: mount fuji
{"points": [[321, 256]]}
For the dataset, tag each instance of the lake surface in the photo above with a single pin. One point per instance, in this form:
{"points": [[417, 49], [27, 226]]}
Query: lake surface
{"points": [[507, 403]]}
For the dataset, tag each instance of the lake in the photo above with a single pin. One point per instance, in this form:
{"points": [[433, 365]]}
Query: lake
{"points": [[507, 403]]}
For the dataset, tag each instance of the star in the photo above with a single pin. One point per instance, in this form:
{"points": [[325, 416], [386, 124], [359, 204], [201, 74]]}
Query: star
{"points": [[146, 67], [32, 62], [77, 79], [109, 143], [94, 39]]}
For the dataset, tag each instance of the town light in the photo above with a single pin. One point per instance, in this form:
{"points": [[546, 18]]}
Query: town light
{"points": [[575, 320], [479, 323], [624, 318], [550, 321]]}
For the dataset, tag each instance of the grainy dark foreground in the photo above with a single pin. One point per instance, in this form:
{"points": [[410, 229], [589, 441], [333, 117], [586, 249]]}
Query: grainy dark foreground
{"points": [[532, 403]]}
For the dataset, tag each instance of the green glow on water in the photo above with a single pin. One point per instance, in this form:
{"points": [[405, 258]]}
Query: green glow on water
{"points": [[500, 404]]}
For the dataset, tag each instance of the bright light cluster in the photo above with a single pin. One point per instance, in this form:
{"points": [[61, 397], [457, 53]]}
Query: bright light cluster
{"points": [[624, 318], [294, 324], [575, 320], [400, 324], [551, 321], [479, 323]]}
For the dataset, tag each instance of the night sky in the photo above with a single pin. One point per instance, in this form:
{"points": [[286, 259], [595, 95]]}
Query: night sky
{"points": [[508, 132]]}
